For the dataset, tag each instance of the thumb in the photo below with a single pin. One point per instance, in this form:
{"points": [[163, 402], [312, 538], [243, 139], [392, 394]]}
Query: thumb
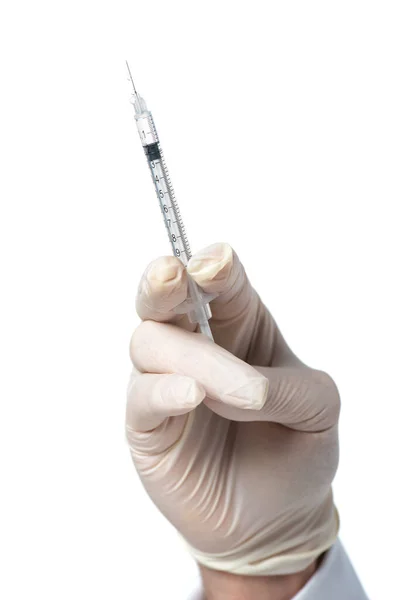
{"points": [[300, 398]]}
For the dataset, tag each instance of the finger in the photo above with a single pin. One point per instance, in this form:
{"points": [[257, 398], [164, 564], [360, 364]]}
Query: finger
{"points": [[153, 398], [162, 348], [240, 321], [163, 287], [300, 398]]}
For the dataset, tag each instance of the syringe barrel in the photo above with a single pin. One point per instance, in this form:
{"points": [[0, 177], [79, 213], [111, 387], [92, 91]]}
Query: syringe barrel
{"points": [[196, 305], [162, 183]]}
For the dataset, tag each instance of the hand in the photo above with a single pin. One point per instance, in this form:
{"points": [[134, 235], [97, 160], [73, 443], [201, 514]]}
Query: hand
{"points": [[235, 441]]}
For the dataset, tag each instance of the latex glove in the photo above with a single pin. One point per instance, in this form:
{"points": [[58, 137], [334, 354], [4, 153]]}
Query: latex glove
{"points": [[235, 441]]}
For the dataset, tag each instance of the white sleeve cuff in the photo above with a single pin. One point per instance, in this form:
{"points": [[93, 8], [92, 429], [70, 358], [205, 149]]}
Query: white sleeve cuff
{"points": [[334, 579]]}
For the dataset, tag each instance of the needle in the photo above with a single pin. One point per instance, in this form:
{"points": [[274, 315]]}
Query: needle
{"points": [[130, 77]]}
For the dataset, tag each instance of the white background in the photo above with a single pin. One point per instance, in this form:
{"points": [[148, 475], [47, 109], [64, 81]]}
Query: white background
{"points": [[280, 123]]}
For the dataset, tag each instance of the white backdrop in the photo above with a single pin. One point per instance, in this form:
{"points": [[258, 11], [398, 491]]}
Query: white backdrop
{"points": [[305, 186]]}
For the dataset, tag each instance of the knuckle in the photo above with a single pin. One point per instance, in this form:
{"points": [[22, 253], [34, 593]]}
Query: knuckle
{"points": [[140, 339]]}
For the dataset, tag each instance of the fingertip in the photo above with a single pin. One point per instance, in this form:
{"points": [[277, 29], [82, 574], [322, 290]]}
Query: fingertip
{"points": [[165, 270], [162, 287], [212, 265], [186, 390], [252, 395], [261, 397]]}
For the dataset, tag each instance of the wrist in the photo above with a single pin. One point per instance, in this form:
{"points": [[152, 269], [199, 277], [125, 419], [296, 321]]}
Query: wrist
{"points": [[218, 585]]}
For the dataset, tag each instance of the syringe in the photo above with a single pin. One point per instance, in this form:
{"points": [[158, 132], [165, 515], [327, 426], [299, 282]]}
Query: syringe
{"points": [[196, 304]]}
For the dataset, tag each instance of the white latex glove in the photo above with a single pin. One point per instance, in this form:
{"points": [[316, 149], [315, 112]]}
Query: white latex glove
{"points": [[235, 441]]}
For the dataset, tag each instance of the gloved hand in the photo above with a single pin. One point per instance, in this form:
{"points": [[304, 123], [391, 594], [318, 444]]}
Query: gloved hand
{"points": [[235, 441]]}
